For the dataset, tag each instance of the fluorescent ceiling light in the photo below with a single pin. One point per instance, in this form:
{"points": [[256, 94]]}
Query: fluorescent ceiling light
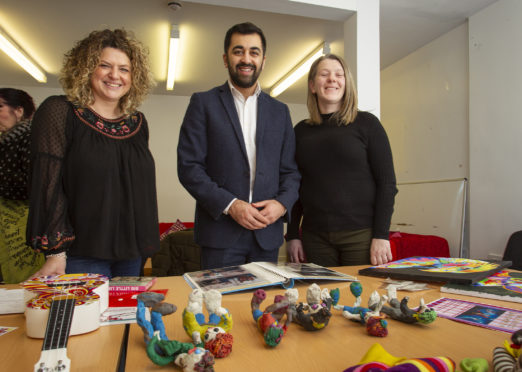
{"points": [[298, 71], [15, 52], [173, 56]]}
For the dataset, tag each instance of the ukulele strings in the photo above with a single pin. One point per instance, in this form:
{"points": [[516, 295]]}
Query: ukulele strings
{"points": [[59, 339]]}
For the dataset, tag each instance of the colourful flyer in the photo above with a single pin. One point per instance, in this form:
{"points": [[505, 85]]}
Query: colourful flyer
{"points": [[5, 330], [482, 315]]}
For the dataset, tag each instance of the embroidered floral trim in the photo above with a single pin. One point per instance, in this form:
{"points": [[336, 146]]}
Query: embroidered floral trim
{"points": [[44, 243], [124, 127]]}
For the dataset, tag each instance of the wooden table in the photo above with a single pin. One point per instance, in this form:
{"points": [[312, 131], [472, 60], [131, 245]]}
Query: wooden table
{"points": [[95, 351], [341, 345]]}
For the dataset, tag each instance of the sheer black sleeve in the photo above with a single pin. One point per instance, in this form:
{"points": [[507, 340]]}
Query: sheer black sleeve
{"points": [[48, 226]]}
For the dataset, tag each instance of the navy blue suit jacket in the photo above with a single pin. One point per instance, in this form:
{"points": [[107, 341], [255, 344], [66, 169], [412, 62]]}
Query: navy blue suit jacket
{"points": [[213, 164]]}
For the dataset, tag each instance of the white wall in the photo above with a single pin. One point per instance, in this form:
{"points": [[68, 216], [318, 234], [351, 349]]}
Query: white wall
{"points": [[495, 56], [451, 111], [425, 113], [425, 109], [164, 114]]}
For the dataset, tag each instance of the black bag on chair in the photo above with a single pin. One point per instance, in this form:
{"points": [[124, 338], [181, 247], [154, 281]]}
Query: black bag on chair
{"points": [[513, 251]]}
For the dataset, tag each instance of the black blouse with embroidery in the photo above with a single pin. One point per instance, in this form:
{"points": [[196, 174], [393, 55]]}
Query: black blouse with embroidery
{"points": [[14, 162], [93, 187]]}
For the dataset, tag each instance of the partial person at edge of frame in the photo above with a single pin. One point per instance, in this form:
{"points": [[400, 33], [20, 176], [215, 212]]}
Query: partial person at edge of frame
{"points": [[17, 260], [348, 184], [93, 190], [236, 157]]}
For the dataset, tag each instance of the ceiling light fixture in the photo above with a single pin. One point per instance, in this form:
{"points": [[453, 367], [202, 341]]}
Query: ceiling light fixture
{"points": [[174, 5], [19, 56], [299, 70], [173, 56]]}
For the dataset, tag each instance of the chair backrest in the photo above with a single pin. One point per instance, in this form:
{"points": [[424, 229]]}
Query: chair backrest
{"points": [[513, 250]]}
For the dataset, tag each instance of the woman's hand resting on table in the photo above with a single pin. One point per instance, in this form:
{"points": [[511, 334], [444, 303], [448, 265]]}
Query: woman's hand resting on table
{"points": [[380, 251], [52, 266], [294, 250]]}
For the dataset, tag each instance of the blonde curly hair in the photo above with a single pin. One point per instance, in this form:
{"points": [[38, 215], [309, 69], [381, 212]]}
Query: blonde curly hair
{"points": [[81, 61]]}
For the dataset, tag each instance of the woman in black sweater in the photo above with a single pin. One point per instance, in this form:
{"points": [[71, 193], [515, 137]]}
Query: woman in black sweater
{"points": [[348, 182]]}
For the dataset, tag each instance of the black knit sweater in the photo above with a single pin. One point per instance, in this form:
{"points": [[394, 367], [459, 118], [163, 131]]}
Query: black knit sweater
{"points": [[348, 180]]}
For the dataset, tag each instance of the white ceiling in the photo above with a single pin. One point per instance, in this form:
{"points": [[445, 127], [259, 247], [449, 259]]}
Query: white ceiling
{"points": [[48, 28]]}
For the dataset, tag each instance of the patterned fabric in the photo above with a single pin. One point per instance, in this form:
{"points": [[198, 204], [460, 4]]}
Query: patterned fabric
{"points": [[118, 128], [14, 162], [503, 361], [56, 242], [176, 226], [378, 359], [440, 364]]}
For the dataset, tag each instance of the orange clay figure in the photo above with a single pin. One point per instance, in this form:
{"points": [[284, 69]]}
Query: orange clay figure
{"points": [[270, 321]]}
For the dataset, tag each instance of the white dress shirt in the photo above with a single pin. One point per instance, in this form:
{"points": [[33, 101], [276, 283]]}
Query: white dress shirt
{"points": [[247, 113]]}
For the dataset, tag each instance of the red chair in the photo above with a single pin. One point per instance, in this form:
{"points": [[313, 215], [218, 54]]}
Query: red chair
{"points": [[405, 245]]}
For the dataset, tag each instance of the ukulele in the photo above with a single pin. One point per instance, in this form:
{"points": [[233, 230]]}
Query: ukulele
{"points": [[59, 306]]}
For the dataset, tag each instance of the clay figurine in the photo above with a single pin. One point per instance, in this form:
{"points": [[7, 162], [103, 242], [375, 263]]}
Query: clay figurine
{"points": [[214, 333], [400, 310], [160, 349], [197, 360], [158, 309], [269, 321], [377, 326], [315, 314], [357, 312]]}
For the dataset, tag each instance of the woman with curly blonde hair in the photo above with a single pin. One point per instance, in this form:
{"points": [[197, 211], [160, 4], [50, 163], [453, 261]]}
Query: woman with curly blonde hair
{"points": [[93, 201]]}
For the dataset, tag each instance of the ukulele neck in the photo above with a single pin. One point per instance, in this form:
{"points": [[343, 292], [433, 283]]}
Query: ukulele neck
{"points": [[54, 349]]}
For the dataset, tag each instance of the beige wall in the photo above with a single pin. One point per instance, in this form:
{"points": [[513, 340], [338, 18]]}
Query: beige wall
{"points": [[451, 109], [495, 126], [425, 113], [425, 109]]}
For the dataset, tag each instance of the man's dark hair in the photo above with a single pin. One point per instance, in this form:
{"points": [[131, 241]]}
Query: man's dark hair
{"points": [[246, 28]]}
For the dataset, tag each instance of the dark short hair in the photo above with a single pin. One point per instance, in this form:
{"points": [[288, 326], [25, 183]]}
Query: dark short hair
{"points": [[15, 98], [245, 28]]}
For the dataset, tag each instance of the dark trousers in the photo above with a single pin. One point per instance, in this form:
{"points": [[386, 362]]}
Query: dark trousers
{"points": [[245, 250], [109, 268], [338, 248]]}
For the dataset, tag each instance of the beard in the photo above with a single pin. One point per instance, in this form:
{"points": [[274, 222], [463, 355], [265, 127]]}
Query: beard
{"points": [[243, 81]]}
